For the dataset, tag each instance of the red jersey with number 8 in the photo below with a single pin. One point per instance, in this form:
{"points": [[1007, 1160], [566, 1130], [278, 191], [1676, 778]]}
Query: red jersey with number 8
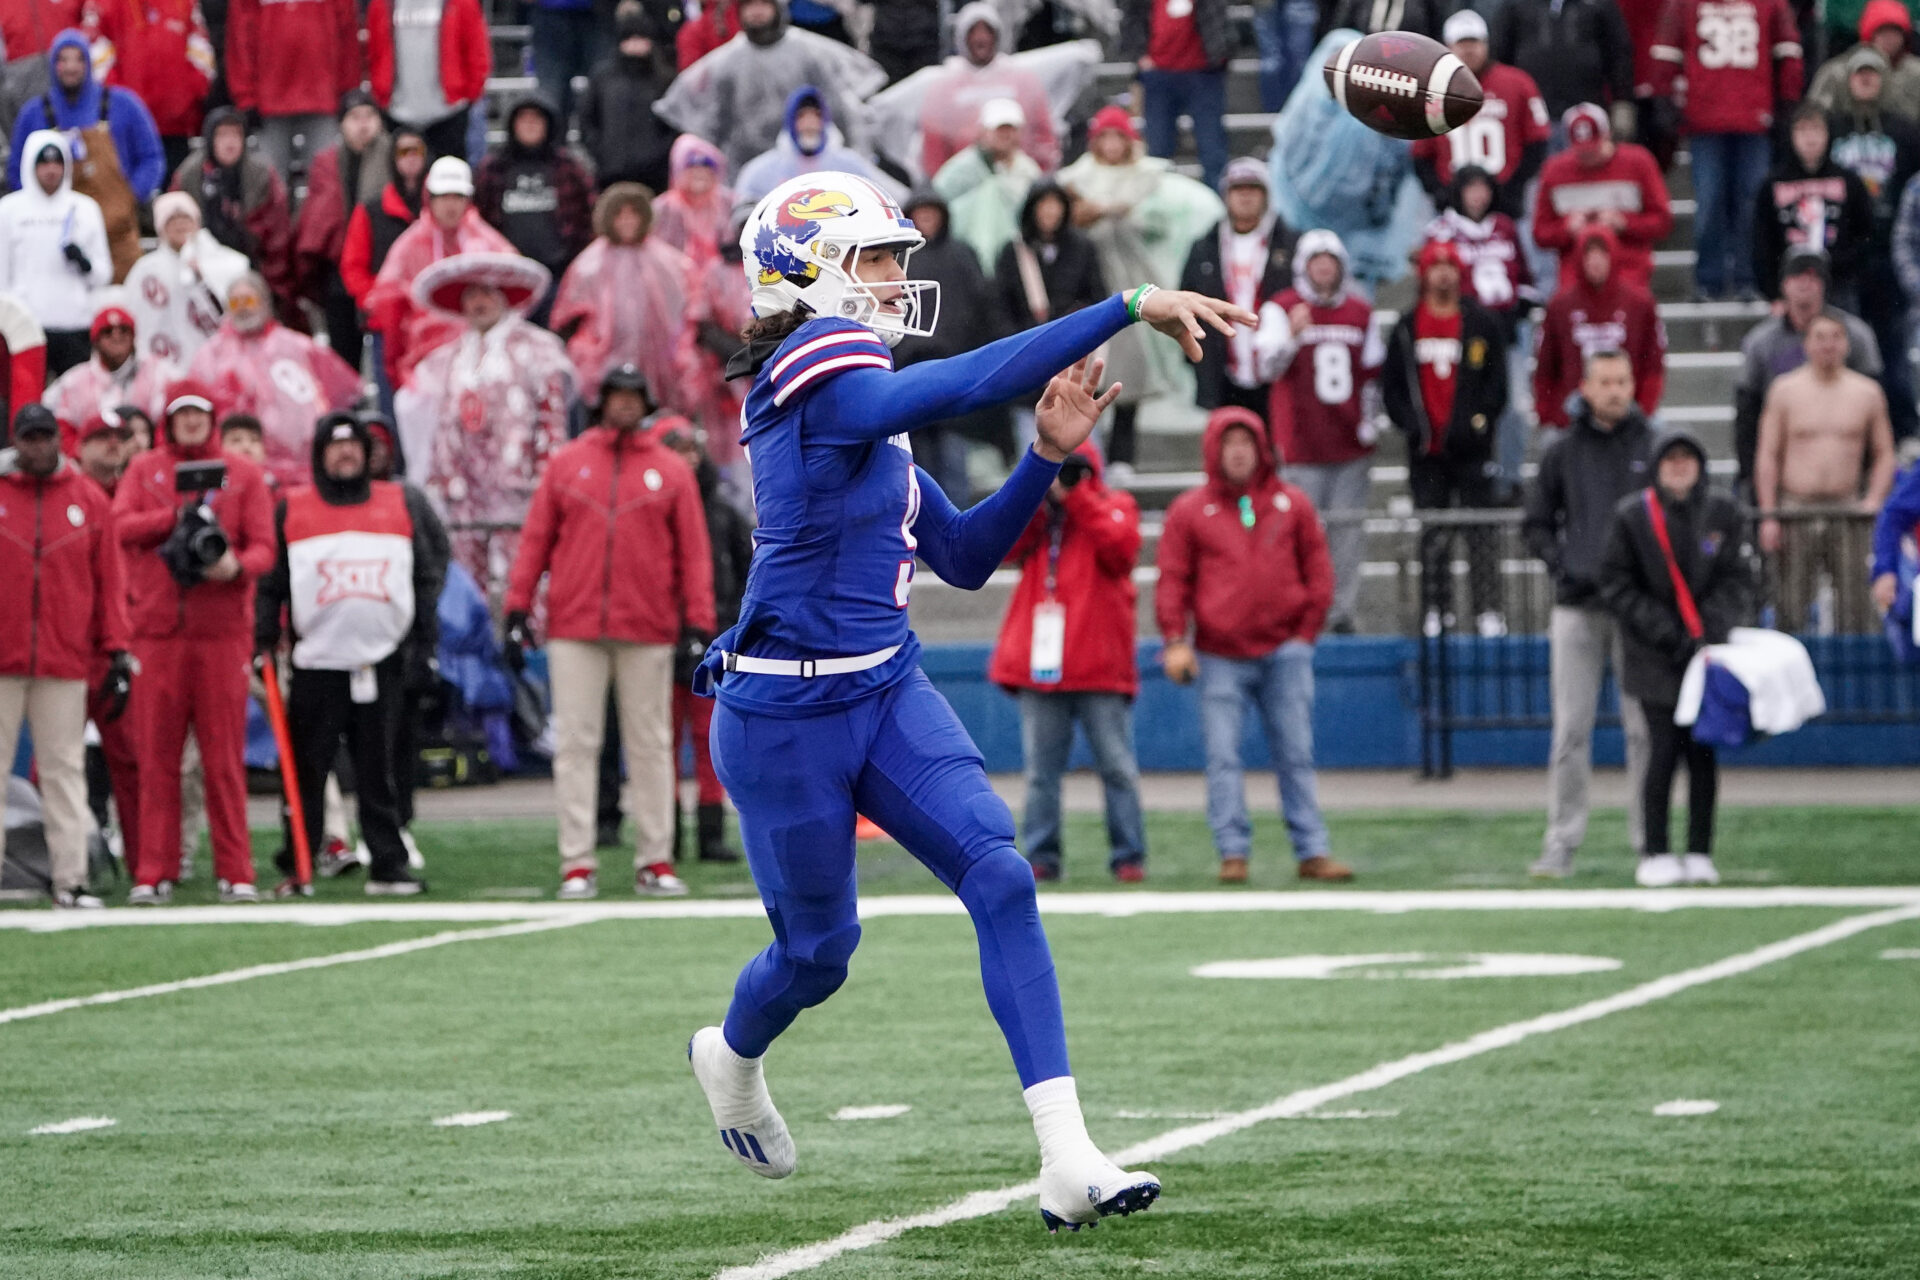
{"points": [[1315, 403], [1513, 117], [1738, 57]]}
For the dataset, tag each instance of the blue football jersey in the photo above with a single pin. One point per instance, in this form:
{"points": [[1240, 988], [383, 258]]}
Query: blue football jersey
{"points": [[843, 512]]}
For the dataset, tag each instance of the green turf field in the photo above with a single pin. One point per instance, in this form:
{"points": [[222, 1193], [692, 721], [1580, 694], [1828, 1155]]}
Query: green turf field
{"points": [[283, 1125]]}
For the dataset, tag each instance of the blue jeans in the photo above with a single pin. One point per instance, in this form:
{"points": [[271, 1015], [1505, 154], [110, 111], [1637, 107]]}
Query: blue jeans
{"points": [[1202, 97], [1283, 30], [566, 43], [1280, 686], [1728, 169], [1046, 736]]}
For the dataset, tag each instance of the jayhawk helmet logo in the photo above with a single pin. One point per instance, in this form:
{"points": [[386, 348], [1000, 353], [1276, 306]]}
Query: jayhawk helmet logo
{"points": [[793, 225]]}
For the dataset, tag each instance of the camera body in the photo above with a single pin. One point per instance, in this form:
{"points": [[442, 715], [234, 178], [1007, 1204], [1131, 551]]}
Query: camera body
{"points": [[1075, 469], [197, 542]]}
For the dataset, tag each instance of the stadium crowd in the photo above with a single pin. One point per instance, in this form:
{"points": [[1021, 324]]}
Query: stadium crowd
{"points": [[312, 368]]}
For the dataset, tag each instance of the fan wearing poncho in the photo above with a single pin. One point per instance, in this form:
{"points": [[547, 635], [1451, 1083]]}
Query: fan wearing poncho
{"points": [[739, 91], [624, 299], [451, 226], [115, 375], [1143, 219], [719, 308], [175, 292], [981, 71], [809, 142], [484, 412], [285, 379], [694, 214], [1331, 171]]}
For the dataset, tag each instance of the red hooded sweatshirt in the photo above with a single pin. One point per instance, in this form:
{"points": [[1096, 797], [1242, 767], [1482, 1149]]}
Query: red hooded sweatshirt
{"points": [[145, 508], [1581, 320], [617, 519], [1097, 531], [60, 571], [1245, 590]]}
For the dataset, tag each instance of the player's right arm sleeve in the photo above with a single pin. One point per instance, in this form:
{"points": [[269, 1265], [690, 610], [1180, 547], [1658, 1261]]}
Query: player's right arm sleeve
{"points": [[863, 403]]}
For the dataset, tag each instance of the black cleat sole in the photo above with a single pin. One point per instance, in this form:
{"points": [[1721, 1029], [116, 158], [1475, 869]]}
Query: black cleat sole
{"points": [[1130, 1200]]}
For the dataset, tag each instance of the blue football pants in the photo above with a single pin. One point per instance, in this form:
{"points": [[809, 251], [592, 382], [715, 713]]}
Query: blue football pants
{"points": [[902, 758]]}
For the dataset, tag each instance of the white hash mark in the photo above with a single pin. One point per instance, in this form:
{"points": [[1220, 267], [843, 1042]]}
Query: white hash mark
{"points": [[468, 1119], [1687, 1107], [882, 1111], [79, 1124]]}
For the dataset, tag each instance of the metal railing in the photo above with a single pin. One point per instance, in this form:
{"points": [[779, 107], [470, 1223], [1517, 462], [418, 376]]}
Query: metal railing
{"points": [[1485, 605]]}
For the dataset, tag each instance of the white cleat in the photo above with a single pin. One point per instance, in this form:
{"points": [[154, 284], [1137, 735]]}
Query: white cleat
{"points": [[1659, 871], [1698, 868], [749, 1125], [1078, 1192]]}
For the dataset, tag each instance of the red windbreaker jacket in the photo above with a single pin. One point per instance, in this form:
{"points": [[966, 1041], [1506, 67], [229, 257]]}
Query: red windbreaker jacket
{"points": [[145, 508], [617, 519], [292, 57], [1244, 591], [60, 571], [1099, 541]]}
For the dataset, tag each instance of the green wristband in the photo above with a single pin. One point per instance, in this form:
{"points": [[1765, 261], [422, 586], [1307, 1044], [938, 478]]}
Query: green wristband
{"points": [[1136, 298]]}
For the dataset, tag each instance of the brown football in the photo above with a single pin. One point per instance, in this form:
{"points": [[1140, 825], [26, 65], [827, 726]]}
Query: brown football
{"points": [[1403, 85]]}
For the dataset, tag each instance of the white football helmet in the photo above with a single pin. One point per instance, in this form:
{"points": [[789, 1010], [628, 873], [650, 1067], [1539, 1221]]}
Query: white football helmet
{"points": [[802, 242]]}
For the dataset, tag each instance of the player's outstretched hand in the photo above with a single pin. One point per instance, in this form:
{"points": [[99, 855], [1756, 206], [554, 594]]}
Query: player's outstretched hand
{"points": [[1069, 407], [1181, 315]]}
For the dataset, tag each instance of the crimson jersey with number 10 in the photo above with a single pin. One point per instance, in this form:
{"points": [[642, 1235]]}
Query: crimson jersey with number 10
{"points": [[1513, 117], [1738, 57], [1315, 404]]}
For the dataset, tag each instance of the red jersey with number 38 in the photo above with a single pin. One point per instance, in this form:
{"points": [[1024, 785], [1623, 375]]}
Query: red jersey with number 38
{"points": [[1738, 57], [1513, 117]]}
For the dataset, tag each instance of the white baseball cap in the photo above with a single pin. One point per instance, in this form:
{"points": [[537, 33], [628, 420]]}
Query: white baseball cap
{"points": [[995, 112], [1464, 25], [450, 176]]}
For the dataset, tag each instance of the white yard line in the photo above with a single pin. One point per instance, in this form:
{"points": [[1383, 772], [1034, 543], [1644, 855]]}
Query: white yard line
{"points": [[983, 1203], [1112, 904], [230, 976]]}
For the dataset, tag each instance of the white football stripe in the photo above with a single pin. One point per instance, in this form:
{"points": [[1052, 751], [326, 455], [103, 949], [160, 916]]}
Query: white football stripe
{"points": [[882, 1111], [1437, 91], [22, 1012], [981, 1204], [1340, 74], [1687, 1107]]}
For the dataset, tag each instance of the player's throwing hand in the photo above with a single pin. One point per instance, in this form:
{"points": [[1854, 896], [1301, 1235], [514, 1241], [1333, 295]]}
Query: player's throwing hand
{"points": [[1070, 406], [1179, 314]]}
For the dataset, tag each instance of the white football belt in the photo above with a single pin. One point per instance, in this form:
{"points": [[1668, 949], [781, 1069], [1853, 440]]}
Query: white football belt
{"points": [[806, 668]]}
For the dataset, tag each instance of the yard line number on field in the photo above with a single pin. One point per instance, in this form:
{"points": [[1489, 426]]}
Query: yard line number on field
{"points": [[983, 1203]]}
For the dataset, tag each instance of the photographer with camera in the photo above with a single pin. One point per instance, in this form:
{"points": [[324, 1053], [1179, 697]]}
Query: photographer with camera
{"points": [[358, 577], [197, 533], [1066, 651], [60, 568]]}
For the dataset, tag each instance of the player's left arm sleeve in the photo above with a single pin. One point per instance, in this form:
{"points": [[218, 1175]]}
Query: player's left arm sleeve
{"points": [[866, 403], [965, 547]]}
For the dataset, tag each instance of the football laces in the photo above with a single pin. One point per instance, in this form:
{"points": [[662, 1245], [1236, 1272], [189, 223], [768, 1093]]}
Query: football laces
{"points": [[1383, 80]]}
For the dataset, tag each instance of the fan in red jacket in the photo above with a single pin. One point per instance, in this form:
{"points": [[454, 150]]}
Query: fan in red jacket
{"points": [[1244, 569], [60, 571], [1730, 63], [101, 446], [465, 60], [289, 61], [1066, 650], [160, 50], [618, 528], [1598, 181], [1600, 312], [193, 642]]}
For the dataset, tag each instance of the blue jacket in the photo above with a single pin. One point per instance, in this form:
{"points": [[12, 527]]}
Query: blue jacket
{"points": [[142, 158]]}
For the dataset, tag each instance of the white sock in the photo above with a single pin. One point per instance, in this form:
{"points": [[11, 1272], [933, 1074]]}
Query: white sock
{"points": [[1057, 1121], [741, 1077]]}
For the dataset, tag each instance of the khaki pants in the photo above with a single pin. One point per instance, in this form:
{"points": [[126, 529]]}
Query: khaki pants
{"points": [[642, 676], [1836, 550], [1581, 642], [56, 711]]}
